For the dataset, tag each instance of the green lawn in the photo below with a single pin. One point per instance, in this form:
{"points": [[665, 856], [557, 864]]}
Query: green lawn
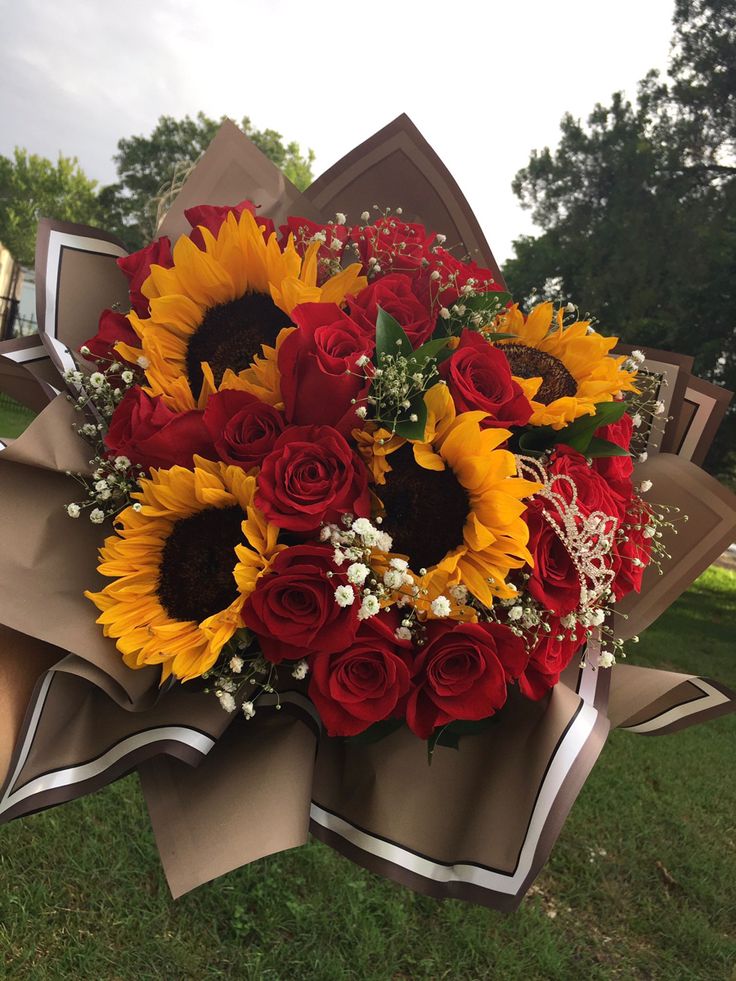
{"points": [[642, 883], [14, 417]]}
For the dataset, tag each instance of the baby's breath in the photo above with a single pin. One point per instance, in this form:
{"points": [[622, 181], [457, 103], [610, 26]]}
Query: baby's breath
{"points": [[242, 670], [399, 383], [114, 478]]}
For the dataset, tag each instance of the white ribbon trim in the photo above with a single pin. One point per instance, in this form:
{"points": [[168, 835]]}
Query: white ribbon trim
{"points": [[196, 740], [713, 699], [563, 760]]}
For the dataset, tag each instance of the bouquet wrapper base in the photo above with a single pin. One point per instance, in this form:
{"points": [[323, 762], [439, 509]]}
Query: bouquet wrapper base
{"points": [[241, 806], [477, 824]]}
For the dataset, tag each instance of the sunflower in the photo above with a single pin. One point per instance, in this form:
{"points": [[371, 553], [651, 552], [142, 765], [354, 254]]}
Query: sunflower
{"points": [[183, 561], [219, 305], [564, 371], [453, 506]]}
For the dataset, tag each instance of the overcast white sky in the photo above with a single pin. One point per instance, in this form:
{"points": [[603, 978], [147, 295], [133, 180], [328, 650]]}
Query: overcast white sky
{"points": [[485, 82]]}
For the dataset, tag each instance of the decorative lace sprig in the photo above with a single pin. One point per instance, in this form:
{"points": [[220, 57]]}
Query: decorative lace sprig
{"points": [[588, 538]]}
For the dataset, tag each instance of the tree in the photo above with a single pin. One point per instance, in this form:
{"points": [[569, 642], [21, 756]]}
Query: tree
{"points": [[151, 167], [32, 187], [638, 208]]}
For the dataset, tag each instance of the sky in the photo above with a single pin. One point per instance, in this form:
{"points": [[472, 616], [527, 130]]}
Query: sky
{"points": [[485, 82]]}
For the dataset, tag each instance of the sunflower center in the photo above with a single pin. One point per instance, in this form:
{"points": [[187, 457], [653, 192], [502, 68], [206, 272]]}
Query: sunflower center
{"points": [[528, 362], [425, 509], [231, 334], [196, 572]]}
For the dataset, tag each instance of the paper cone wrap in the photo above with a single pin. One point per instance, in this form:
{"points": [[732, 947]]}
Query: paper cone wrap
{"points": [[477, 824]]}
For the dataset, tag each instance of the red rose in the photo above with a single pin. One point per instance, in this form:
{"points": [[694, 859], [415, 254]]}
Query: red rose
{"points": [[310, 477], [113, 327], [594, 493], [151, 435], [617, 470], [304, 231], [632, 548], [479, 378], [395, 295], [554, 579], [462, 673], [293, 610], [548, 660], [618, 432], [314, 362], [397, 246], [137, 267], [242, 428], [212, 216], [364, 684]]}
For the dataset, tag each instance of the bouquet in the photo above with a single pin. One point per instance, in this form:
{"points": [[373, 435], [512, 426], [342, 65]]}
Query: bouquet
{"points": [[330, 467]]}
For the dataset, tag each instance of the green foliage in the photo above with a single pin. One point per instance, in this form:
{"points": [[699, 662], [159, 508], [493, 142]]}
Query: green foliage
{"points": [[638, 209], [82, 894], [580, 435], [32, 187], [150, 167]]}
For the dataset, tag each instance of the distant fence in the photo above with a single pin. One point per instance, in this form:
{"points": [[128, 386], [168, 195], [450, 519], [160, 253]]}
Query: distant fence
{"points": [[12, 322], [8, 316]]}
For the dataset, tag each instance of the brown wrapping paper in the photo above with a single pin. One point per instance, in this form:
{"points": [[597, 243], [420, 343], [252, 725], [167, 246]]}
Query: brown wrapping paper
{"points": [[397, 167], [31, 354], [229, 171], [651, 702], [76, 279], [17, 381], [702, 410], [23, 660], [479, 823], [250, 800], [693, 544]]}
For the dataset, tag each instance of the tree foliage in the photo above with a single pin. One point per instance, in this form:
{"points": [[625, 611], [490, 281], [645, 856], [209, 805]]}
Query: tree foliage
{"points": [[32, 187], [150, 167], [638, 208]]}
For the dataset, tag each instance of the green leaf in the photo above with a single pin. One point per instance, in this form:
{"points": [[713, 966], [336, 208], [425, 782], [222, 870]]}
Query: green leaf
{"points": [[451, 734], [430, 350], [376, 732], [579, 433], [608, 412], [537, 439], [598, 447], [445, 353], [413, 430], [465, 727], [498, 336], [390, 337]]}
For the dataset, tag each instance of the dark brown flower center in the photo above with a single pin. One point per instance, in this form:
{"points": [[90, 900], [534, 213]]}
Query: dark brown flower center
{"points": [[196, 572], [425, 510], [231, 335], [528, 362]]}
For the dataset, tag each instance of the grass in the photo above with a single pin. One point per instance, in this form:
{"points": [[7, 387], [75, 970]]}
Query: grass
{"points": [[14, 417], [642, 883]]}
